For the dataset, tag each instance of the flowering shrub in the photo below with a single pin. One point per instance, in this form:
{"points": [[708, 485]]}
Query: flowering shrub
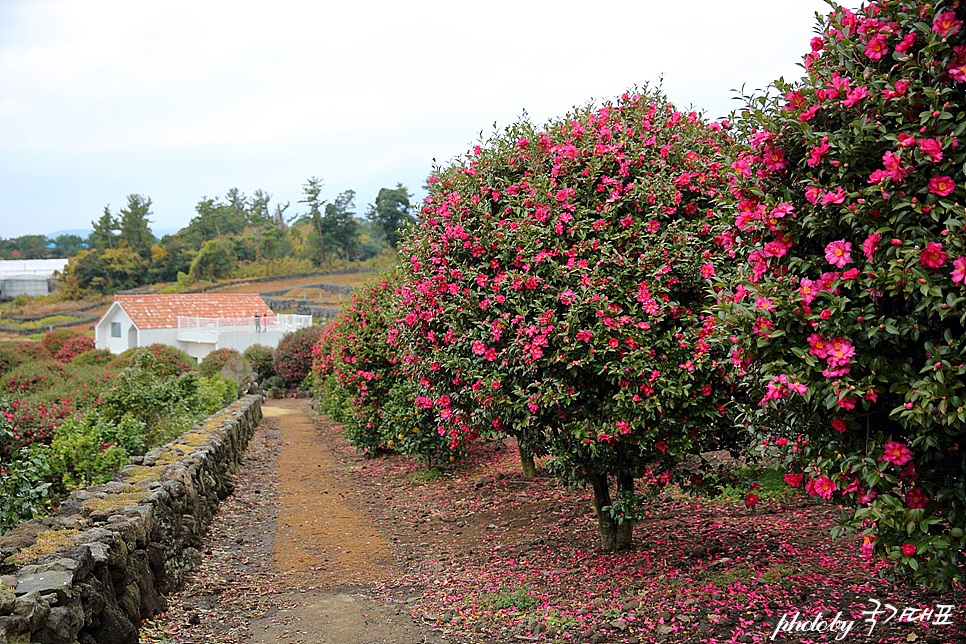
{"points": [[32, 422], [849, 301], [94, 357], [261, 358], [74, 347], [163, 359], [556, 289], [54, 340], [13, 354], [360, 369], [212, 363], [30, 376], [293, 356]]}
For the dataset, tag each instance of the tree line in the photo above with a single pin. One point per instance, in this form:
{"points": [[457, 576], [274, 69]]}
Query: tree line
{"points": [[234, 235]]}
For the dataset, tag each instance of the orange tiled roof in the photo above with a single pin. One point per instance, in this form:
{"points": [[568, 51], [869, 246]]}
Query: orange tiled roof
{"points": [[162, 311]]}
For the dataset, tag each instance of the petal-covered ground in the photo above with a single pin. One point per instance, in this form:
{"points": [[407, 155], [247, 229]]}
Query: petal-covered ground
{"points": [[503, 558]]}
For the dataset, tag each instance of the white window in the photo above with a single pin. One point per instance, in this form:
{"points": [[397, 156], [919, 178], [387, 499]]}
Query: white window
{"points": [[115, 329]]}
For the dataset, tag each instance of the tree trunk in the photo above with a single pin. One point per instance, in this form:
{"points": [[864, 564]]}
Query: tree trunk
{"points": [[625, 531], [527, 465], [605, 522]]}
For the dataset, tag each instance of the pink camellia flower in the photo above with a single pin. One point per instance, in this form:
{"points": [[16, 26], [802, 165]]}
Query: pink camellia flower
{"points": [[866, 496], [774, 158], [868, 246], [907, 43], [933, 148], [823, 487], [661, 447], [916, 498], [816, 153], [568, 297], [877, 46], [946, 23], [909, 549], [794, 480], [839, 424], [868, 545], [848, 402], [584, 336], [839, 253], [855, 96], [834, 197], [817, 43], [959, 270], [932, 256], [818, 347], [653, 226], [896, 453], [941, 186], [707, 270], [808, 290], [839, 353], [751, 500], [479, 348]]}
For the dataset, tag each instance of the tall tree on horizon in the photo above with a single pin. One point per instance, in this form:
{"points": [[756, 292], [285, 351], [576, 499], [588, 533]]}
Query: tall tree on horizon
{"points": [[392, 212], [134, 225], [105, 230]]}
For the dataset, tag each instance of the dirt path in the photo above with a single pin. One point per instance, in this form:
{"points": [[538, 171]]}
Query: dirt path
{"points": [[292, 555]]}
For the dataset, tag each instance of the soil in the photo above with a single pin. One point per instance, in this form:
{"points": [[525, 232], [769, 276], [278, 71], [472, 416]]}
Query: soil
{"points": [[321, 545]]}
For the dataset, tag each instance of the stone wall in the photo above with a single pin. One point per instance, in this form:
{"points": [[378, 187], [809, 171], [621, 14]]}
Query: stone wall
{"points": [[90, 573]]}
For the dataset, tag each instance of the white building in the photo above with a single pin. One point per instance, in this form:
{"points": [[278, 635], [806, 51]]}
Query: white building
{"points": [[196, 323]]}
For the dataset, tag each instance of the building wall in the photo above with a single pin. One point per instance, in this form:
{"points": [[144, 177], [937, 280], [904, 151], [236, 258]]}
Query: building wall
{"points": [[102, 331]]}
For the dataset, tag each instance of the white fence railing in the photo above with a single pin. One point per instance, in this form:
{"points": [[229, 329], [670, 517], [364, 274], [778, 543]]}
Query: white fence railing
{"points": [[207, 329]]}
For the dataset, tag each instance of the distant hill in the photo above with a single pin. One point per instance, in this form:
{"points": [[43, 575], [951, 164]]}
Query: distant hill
{"points": [[159, 233]]}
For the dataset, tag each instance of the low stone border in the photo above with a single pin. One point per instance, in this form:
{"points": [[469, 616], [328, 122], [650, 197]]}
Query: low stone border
{"points": [[90, 573]]}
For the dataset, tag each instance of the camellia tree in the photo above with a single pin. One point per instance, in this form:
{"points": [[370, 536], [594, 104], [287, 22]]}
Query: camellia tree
{"points": [[555, 290], [357, 370], [850, 306]]}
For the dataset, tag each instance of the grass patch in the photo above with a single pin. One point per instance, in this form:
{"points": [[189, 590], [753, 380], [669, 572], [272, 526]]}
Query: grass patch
{"points": [[429, 474], [517, 598]]}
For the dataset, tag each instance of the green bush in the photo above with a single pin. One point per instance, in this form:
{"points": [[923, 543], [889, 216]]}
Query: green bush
{"points": [[90, 450], [262, 360], [214, 393], [160, 358], [25, 486], [93, 357], [214, 361]]}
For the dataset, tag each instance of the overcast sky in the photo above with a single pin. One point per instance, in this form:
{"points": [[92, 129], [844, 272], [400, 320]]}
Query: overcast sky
{"points": [[179, 100]]}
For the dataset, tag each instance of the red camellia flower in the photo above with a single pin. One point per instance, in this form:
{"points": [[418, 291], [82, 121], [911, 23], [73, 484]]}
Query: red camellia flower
{"points": [[896, 453], [916, 498], [794, 480], [751, 500], [909, 549], [932, 255], [941, 186], [839, 424]]}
